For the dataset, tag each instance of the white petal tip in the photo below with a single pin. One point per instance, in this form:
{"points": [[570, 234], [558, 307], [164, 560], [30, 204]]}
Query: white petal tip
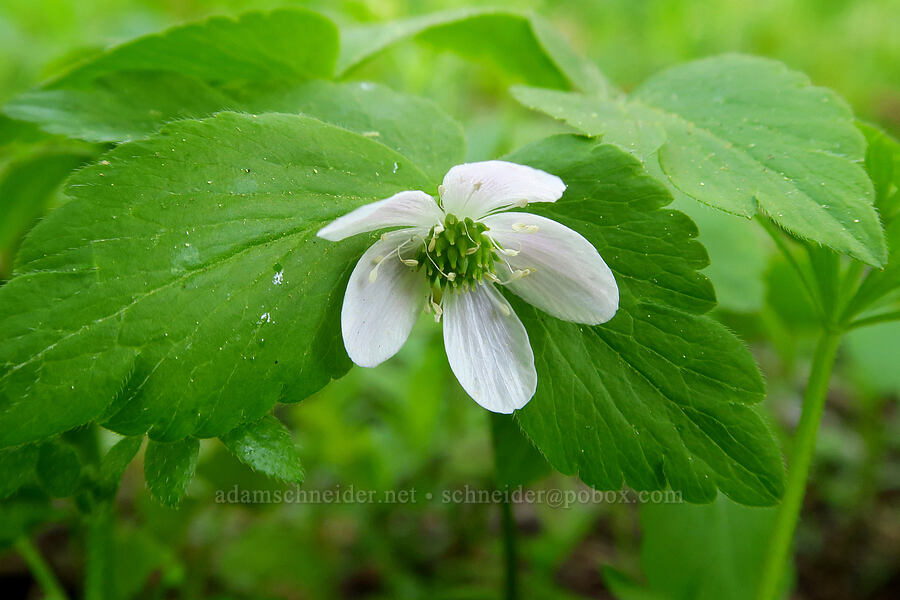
{"points": [[505, 408], [328, 233]]}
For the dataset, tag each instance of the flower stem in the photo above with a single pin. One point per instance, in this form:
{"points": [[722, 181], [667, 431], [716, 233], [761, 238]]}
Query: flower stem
{"points": [[41, 571], [801, 459], [509, 550], [507, 524]]}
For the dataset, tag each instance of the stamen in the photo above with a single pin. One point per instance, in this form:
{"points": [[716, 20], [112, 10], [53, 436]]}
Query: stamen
{"points": [[410, 262], [523, 228], [438, 311], [501, 306], [457, 253]]}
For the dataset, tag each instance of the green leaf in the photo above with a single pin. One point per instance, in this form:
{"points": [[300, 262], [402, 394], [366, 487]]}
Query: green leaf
{"points": [[414, 127], [119, 106], [524, 46], [704, 552], [883, 166], [16, 467], [880, 282], [115, 461], [128, 105], [26, 190], [284, 44], [738, 255], [183, 289], [266, 446], [745, 135], [169, 467], [661, 394], [58, 468]]}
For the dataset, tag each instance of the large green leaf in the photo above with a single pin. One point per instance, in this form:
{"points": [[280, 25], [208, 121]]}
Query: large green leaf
{"points": [[660, 395], [284, 44], [745, 135], [183, 289], [130, 105], [523, 45]]}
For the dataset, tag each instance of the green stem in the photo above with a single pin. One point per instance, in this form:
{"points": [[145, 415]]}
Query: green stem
{"points": [[801, 459], [808, 286], [41, 571], [509, 550], [507, 524], [882, 318]]}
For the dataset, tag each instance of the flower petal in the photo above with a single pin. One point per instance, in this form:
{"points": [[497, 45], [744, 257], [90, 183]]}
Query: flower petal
{"points": [[476, 189], [570, 280], [406, 209], [378, 315], [488, 349]]}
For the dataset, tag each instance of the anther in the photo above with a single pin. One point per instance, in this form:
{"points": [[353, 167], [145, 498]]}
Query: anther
{"points": [[438, 311], [523, 228], [410, 262]]}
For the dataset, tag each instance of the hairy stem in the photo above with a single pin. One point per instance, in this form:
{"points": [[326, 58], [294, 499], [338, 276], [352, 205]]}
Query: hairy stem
{"points": [[803, 276], [41, 571], [801, 459]]}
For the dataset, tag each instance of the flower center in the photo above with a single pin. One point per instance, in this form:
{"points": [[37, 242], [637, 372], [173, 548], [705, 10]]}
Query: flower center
{"points": [[457, 254]]}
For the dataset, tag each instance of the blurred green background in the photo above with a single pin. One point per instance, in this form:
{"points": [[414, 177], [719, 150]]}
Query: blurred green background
{"points": [[394, 427]]}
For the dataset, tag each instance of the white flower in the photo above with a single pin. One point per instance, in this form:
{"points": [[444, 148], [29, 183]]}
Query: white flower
{"points": [[448, 258]]}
